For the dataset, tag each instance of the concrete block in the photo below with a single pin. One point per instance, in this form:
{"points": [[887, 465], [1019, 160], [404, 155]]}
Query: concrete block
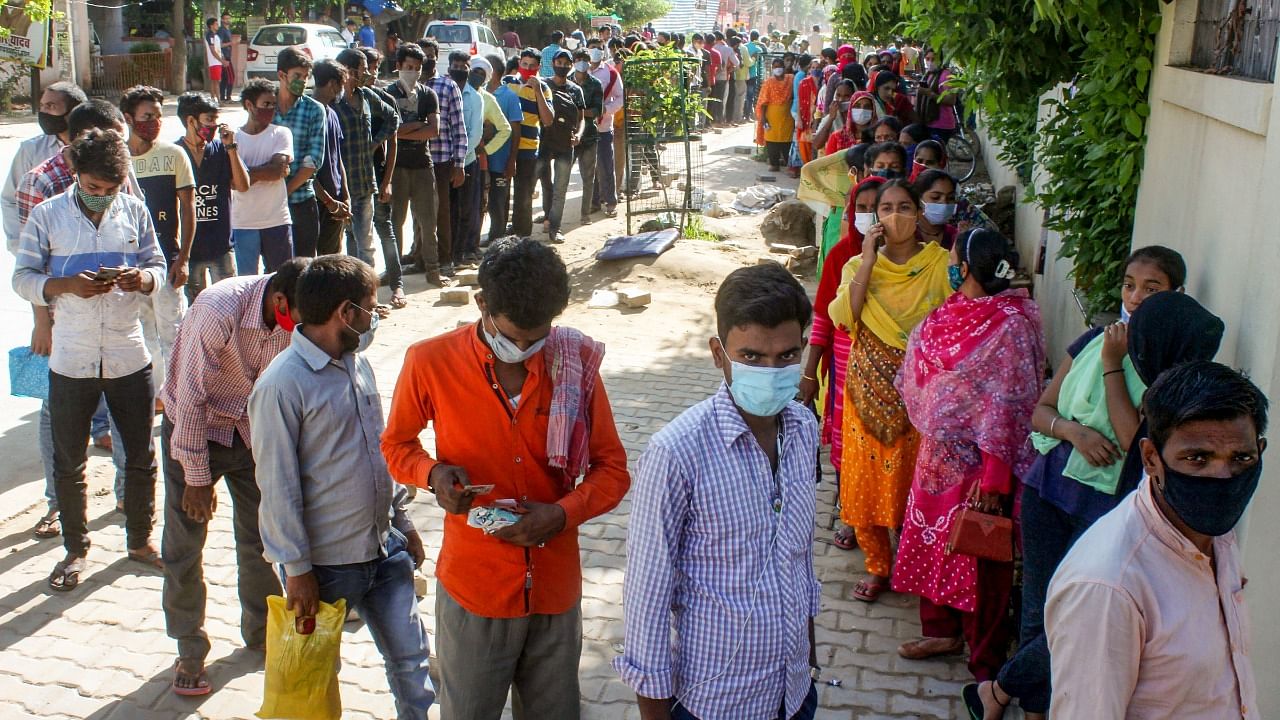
{"points": [[767, 178], [455, 296], [634, 297], [743, 150], [469, 278]]}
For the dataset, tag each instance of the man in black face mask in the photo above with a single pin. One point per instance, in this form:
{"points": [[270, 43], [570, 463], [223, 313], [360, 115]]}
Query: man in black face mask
{"points": [[57, 101], [1146, 612]]}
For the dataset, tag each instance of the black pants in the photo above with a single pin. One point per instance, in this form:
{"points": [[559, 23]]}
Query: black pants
{"points": [[306, 227], [719, 92], [779, 154], [499, 204], [329, 237], [182, 548], [131, 402], [522, 203], [463, 217], [444, 226]]}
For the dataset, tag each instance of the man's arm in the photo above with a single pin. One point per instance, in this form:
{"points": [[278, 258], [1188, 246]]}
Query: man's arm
{"points": [[542, 98], [275, 414], [310, 146], [411, 410], [1095, 635], [274, 170], [150, 258], [178, 272], [389, 116], [239, 173], [607, 479], [22, 163], [202, 339], [457, 123], [501, 126]]}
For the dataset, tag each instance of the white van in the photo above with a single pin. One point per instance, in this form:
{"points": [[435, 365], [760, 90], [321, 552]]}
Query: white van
{"points": [[472, 38]]}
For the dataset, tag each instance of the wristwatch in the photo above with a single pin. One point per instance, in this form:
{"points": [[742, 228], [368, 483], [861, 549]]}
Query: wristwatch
{"points": [[815, 672], [231, 146]]}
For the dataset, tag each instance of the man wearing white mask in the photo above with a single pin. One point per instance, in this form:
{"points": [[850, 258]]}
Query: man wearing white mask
{"points": [[733, 475]]}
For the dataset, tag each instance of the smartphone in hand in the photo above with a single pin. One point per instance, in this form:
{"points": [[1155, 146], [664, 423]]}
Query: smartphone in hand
{"points": [[108, 274]]}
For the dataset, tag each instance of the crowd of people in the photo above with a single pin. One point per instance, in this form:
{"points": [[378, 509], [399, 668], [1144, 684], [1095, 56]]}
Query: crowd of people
{"points": [[1124, 475]]}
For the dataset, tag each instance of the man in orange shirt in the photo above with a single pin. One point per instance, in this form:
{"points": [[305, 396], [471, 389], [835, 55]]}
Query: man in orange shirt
{"points": [[519, 413]]}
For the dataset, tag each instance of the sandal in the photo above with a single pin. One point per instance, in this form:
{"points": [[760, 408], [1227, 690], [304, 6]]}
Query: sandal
{"points": [[50, 526], [870, 588], [398, 300], [198, 684], [147, 555], [66, 574], [972, 696], [844, 538], [927, 648]]}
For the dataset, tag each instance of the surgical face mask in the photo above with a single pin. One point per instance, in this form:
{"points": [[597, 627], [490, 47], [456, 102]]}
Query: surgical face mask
{"points": [[864, 221], [51, 124], [506, 350], [939, 213], [886, 173], [1210, 505], [148, 130], [779, 72], [459, 77], [581, 66], [930, 66], [560, 71], [477, 79], [763, 391], [597, 55], [409, 78], [95, 203], [364, 339], [297, 87], [955, 275], [860, 116]]}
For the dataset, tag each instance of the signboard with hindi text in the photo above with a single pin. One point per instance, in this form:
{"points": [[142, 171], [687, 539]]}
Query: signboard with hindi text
{"points": [[28, 40]]}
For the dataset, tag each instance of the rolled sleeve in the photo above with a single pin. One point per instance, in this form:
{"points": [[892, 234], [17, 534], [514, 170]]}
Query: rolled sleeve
{"points": [[658, 513], [607, 479], [276, 417], [1093, 679]]}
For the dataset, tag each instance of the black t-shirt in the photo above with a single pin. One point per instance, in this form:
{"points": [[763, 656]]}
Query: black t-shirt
{"points": [[212, 200], [413, 107], [593, 99], [567, 103]]}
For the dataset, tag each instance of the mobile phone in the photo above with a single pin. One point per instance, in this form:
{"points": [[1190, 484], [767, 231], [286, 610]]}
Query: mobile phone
{"points": [[108, 274]]}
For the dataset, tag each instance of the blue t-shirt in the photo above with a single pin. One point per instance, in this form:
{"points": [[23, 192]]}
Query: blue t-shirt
{"points": [[329, 175], [509, 103], [366, 37], [213, 201], [548, 54]]}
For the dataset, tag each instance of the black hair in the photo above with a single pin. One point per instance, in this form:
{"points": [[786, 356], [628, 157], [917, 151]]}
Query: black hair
{"points": [[101, 153], [1197, 391], [755, 35], [557, 37], [765, 295], [884, 78], [984, 250], [409, 51], [351, 58], [829, 53], [71, 93], [1167, 261], [285, 279], [778, 62], [290, 58], [209, 23], [891, 121], [513, 63], [696, 36], [804, 61], [524, 280], [138, 94], [96, 113], [256, 88], [845, 83], [879, 149], [496, 65], [917, 132], [326, 71], [331, 281], [581, 54], [373, 56], [459, 56], [926, 180], [934, 145], [429, 42], [856, 156], [195, 104], [530, 52], [897, 183]]}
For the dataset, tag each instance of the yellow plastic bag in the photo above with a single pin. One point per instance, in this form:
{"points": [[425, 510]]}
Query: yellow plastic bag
{"points": [[302, 670]]}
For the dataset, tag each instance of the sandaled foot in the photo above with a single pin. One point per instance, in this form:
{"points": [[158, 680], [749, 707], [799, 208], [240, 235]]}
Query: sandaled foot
{"points": [[870, 588], [926, 648], [190, 679], [50, 526], [983, 702], [66, 574], [398, 299], [147, 555], [844, 538]]}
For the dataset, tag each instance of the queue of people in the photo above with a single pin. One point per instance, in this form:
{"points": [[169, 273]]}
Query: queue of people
{"points": [[1126, 473]]}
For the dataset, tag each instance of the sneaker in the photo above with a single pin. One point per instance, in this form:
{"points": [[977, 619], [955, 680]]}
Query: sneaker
{"points": [[557, 238], [542, 218]]}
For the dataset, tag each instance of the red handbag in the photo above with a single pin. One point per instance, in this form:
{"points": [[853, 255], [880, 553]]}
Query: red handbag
{"points": [[983, 535]]}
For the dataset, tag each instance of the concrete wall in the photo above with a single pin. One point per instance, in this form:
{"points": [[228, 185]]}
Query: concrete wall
{"points": [[1210, 183]]}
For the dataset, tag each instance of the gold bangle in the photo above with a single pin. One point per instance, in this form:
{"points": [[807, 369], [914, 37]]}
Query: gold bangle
{"points": [[855, 281], [1056, 418], [806, 377]]}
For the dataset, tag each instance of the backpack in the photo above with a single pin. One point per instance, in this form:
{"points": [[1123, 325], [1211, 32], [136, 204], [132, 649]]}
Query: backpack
{"points": [[566, 102]]}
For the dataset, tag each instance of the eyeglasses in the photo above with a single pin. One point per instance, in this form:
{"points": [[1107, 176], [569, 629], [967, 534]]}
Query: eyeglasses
{"points": [[373, 316]]}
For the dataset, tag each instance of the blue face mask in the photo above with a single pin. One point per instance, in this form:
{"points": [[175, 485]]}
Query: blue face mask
{"points": [[763, 391], [939, 213], [956, 275], [1124, 314]]}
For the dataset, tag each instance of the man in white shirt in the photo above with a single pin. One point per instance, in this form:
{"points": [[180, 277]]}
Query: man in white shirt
{"points": [[606, 190], [56, 102], [815, 41], [1146, 617], [260, 223]]}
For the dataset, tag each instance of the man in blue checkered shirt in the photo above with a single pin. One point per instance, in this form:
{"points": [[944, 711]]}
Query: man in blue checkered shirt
{"points": [[721, 533], [448, 149], [307, 120]]}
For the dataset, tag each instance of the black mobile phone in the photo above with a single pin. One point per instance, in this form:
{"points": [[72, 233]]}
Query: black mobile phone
{"points": [[108, 274]]}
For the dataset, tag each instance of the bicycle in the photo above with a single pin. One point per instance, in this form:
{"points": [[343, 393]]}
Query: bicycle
{"points": [[962, 154]]}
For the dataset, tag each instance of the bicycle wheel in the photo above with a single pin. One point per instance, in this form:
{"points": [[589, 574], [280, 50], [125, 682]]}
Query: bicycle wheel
{"points": [[962, 161]]}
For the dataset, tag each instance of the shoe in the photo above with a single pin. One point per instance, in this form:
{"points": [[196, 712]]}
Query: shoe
{"points": [[407, 260], [103, 443], [411, 269], [557, 238], [586, 219], [447, 270], [542, 218]]}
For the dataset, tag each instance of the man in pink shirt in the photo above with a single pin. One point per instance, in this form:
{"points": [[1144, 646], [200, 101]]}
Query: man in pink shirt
{"points": [[1146, 617]]}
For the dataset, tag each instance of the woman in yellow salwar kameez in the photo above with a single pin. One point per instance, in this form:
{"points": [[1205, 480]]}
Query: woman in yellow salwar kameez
{"points": [[775, 127], [884, 294]]}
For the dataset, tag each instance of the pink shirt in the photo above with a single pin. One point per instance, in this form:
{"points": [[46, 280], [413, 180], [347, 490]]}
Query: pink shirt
{"points": [[1139, 627]]}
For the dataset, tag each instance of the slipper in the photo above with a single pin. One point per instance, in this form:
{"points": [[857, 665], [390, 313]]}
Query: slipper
{"points": [[869, 591], [915, 649], [972, 699], [202, 682], [399, 301], [49, 526], [66, 575], [844, 539], [147, 555]]}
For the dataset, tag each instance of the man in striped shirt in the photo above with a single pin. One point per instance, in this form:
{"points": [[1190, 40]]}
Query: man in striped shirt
{"points": [[232, 332], [732, 477], [535, 103]]}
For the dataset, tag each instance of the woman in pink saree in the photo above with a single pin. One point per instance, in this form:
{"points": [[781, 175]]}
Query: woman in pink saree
{"points": [[971, 378]]}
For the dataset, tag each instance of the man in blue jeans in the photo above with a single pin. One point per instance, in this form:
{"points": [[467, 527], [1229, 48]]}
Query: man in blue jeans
{"points": [[330, 514]]}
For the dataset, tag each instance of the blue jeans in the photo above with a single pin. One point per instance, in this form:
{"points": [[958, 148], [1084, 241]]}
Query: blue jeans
{"points": [[360, 229], [100, 425], [273, 245], [1047, 534], [390, 246], [382, 592], [806, 712], [553, 172], [606, 191]]}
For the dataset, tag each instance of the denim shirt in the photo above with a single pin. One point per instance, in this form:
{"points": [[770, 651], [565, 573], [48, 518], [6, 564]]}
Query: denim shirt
{"points": [[99, 336], [327, 498]]}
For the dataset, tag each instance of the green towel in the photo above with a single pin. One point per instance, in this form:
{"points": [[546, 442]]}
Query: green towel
{"points": [[1083, 399], [830, 236]]}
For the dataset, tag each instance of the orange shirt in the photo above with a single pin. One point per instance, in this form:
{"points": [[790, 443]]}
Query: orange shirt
{"points": [[449, 382]]}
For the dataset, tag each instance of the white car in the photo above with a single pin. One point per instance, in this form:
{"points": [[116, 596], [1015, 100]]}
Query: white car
{"points": [[319, 42], [472, 38]]}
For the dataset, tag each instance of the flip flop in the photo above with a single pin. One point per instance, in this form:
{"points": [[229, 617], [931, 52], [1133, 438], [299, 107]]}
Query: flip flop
{"points": [[869, 591], [399, 301], [202, 686], [973, 701], [50, 526], [66, 575], [147, 555], [844, 539]]}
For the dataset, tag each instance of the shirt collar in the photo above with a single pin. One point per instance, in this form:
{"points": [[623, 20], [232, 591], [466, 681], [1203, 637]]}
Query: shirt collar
{"points": [[1164, 531], [253, 318], [729, 420], [485, 356], [311, 354]]}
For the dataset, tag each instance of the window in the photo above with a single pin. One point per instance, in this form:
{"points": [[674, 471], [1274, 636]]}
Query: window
{"points": [[1237, 38], [331, 38], [280, 36], [450, 34]]}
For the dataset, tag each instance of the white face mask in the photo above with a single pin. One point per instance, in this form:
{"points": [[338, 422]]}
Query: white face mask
{"points": [[860, 116], [581, 67], [864, 221], [779, 72], [409, 78], [506, 350]]}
